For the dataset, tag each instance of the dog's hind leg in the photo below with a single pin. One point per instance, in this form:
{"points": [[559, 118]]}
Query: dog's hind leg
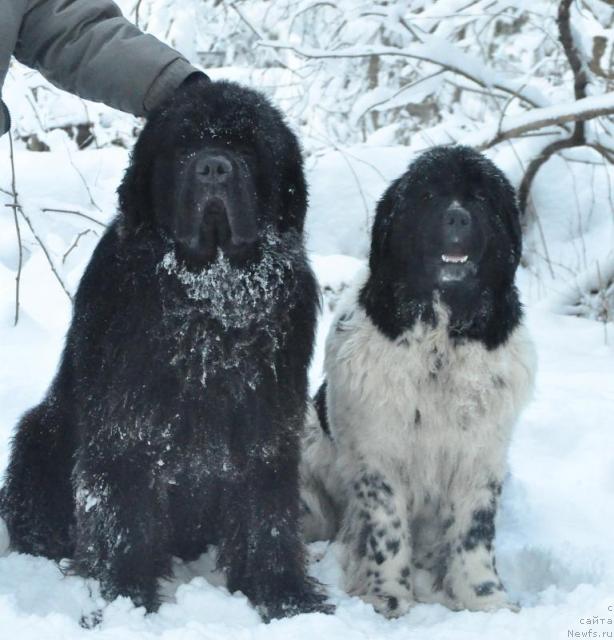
{"points": [[36, 501], [319, 508]]}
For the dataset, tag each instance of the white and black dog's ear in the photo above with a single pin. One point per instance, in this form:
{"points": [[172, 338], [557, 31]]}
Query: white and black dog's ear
{"points": [[382, 223], [511, 214]]}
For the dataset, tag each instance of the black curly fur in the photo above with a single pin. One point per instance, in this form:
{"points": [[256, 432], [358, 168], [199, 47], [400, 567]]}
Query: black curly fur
{"points": [[173, 421]]}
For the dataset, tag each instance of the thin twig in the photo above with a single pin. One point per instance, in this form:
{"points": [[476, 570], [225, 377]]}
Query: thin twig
{"points": [[44, 248], [405, 87], [35, 110], [542, 237], [137, 9], [420, 52], [17, 227], [260, 37], [75, 213], [84, 181], [602, 288], [76, 242]]}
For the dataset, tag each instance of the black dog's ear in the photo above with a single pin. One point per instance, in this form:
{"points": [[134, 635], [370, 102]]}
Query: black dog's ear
{"points": [[294, 190], [381, 226], [135, 199]]}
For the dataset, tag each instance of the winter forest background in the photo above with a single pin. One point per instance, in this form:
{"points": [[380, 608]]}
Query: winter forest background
{"points": [[366, 85]]}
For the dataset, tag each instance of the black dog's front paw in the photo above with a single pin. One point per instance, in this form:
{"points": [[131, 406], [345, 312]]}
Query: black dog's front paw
{"points": [[306, 599], [142, 595]]}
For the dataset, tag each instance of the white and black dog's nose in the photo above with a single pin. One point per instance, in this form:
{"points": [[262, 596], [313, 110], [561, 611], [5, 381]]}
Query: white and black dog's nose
{"points": [[214, 168], [457, 224], [457, 216]]}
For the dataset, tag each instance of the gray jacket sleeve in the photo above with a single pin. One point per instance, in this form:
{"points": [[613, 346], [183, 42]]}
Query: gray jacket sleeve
{"points": [[88, 48]]}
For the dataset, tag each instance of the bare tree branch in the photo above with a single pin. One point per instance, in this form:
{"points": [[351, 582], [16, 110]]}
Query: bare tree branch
{"points": [[420, 51], [42, 245], [576, 112], [45, 251], [578, 137], [573, 57], [75, 213], [76, 242], [84, 181], [259, 36], [17, 227], [137, 9]]}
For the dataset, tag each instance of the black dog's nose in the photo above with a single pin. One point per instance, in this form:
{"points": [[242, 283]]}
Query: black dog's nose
{"points": [[457, 217], [214, 168]]}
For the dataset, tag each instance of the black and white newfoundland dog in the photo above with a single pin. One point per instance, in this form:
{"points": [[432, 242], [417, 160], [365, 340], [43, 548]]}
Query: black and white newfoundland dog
{"points": [[175, 418], [428, 366]]}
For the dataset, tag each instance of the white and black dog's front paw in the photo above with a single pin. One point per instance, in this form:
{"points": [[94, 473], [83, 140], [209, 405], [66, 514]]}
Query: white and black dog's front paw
{"points": [[388, 604], [377, 550]]}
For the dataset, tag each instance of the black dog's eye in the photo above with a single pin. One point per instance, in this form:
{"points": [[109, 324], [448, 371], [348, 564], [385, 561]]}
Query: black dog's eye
{"points": [[426, 196]]}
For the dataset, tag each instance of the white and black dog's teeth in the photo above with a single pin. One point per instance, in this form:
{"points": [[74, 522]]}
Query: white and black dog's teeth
{"points": [[454, 259]]}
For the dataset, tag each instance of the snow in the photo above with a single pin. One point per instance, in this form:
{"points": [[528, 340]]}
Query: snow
{"points": [[554, 541], [538, 118], [554, 547], [430, 49], [345, 183], [554, 544]]}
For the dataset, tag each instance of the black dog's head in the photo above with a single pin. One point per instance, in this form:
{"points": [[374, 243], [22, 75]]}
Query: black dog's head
{"points": [[449, 225], [214, 166]]}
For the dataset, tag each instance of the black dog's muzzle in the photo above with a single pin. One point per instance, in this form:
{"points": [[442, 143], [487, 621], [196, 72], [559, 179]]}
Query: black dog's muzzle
{"points": [[218, 205]]}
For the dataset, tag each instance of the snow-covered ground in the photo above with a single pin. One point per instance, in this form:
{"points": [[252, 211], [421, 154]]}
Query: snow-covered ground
{"points": [[554, 541]]}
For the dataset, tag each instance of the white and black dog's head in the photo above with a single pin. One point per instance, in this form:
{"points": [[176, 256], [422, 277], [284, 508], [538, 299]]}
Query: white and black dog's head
{"points": [[447, 229]]}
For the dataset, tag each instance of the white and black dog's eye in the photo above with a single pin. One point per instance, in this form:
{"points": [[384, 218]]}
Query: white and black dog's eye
{"points": [[426, 196]]}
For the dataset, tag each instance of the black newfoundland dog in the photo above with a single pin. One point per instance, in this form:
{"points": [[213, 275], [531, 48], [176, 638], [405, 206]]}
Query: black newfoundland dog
{"points": [[174, 420], [428, 366]]}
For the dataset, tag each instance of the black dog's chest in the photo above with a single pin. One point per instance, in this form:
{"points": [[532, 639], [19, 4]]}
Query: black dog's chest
{"points": [[209, 461], [204, 356]]}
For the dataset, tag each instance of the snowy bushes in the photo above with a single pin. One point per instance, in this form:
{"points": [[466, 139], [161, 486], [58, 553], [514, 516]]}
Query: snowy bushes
{"points": [[529, 83], [590, 294]]}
